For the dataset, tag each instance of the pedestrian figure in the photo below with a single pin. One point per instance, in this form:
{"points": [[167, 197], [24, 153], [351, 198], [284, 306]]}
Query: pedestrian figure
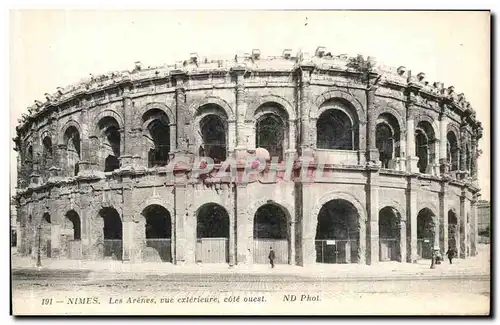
{"points": [[272, 256], [451, 254]]}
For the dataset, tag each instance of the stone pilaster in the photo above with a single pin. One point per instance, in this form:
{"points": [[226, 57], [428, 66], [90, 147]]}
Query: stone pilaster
{"points": [[474, 154], [372, 231], [128, 235], [181, 212], [243, 251], [443, 218], [131, 153], [241, 107], [307, 133], [463, 226], [403, 238], [180, 112], [463, 152], [412, 159], [372, 154], [55, 240], [474, 230], [411, 216], [84, 165], [292, 242], [443, 161]]}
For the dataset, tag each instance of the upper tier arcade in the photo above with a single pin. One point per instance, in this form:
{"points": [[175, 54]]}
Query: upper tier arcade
{"points": [[349, 112]]}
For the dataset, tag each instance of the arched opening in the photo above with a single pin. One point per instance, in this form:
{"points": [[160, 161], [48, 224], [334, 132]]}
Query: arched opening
{"points": [[45, 240], [270, 135], [468, 161], [271, 129], [112, 233], [425, 233], [337, 233], [110, 138], [28, 164], [452, 150], [270, 229], [71, 236], [213, 134], [158, 230], [453, 230], [158, 137], [389, 227], [72, 142], [425, 146], [74, 224], [47, 151], [212, 233], [387, 137], [335, 131]]}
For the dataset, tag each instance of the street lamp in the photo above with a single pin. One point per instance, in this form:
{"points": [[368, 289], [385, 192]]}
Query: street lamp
{"points": [[39, 258]]}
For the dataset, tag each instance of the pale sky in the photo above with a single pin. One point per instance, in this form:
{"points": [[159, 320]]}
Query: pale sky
{"points": [[58, 48]]}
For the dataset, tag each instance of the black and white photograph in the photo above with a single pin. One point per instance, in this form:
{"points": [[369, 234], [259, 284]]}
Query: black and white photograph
{"points": [[230, 162]]}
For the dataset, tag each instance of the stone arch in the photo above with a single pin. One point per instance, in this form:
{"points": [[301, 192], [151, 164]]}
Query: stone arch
{"points": [[44, 134], [108, 204], [196, 105], [252, 209], [390, 224], [154, 105], [106, 113], [250, 113], [344, 97], [69, 206], [338, 196], [451, 127], [396, 114], [67, 125], [154, 200], [427, 118], [428, 205], [396, 205]]}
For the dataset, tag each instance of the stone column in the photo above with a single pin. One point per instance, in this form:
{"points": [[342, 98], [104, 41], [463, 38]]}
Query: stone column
{"points": [[292, 241], [292, 142], [443, 218], [443, 160], [474, 157], [131, 153], [180, 219], [402, 238], [232, 227], [411, 216], [231, 136], [474, 230], [467, 227], [372, 235], [307, 131], [128, 231], [241, 107], [243, 255], [55, 239], [84, 165], [463, 226], [372, 153], [180, 112], [412, 159], [463, 153]]}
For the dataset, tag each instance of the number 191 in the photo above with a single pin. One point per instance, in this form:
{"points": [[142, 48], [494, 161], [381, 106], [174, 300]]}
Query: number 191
{"points": [[47, 301]]}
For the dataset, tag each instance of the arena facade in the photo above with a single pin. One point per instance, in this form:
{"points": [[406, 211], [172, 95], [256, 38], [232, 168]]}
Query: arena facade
{"points": [[381, 164]]}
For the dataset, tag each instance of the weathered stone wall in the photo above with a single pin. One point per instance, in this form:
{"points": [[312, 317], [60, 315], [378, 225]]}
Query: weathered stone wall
{"points": [[298, 90]]}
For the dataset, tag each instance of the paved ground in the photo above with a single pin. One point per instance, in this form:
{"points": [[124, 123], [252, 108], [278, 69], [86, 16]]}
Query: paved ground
{"points": [[387, 288]]}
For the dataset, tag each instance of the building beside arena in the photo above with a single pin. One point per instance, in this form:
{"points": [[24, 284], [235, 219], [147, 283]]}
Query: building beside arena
{"points": [[362, 163]]}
